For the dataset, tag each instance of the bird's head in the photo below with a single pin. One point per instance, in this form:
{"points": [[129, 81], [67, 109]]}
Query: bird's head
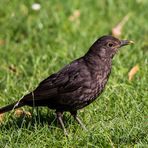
{"points": [[107, 46]]}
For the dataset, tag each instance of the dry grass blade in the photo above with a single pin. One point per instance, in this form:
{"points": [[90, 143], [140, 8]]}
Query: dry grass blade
{"points": [[117, 30], [132, 72], [20, 113], [12, 68], [1, 118], [75, 15], [2, 42]]}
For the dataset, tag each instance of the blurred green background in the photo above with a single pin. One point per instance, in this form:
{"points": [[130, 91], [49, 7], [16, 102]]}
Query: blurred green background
{"points": [[36, 42]]}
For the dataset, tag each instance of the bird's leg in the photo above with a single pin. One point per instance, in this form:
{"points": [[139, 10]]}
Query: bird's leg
{"points": [[60, 120], [74, 114]]}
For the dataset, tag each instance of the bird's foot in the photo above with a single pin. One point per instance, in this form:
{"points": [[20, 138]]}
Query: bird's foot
{"points": [[74, 114], [60, 120]]}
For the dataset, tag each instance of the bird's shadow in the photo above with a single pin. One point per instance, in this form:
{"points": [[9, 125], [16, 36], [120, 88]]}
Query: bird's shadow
{"points": [[37, 118]]}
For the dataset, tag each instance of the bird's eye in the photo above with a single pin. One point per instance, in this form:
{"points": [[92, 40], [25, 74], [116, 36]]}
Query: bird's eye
{"points": [[110, 44]]}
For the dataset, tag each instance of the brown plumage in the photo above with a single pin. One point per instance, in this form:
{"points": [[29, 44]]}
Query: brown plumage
{"points": [[77, 84]]}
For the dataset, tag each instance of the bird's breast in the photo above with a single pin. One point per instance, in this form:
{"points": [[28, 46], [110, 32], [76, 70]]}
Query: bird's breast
{"points": [[98, 81]]}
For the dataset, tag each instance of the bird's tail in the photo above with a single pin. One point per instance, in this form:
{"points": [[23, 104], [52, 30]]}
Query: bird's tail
{"points": [[11, 107]]}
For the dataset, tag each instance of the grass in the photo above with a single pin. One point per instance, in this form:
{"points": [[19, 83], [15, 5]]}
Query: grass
{"points": [[35, 44]]}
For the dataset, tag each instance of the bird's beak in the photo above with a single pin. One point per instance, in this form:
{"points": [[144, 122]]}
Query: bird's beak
{"points": [[126, 42]]}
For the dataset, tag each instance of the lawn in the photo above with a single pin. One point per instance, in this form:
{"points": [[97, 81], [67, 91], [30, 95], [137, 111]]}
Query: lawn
{"points": [[37, 43]]}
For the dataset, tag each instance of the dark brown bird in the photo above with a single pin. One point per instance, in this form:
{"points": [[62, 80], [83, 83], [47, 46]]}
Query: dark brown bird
{"points": [[77, 84]]}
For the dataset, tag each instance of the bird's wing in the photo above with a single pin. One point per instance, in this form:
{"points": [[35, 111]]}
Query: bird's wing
{"points": [[65, 81]]}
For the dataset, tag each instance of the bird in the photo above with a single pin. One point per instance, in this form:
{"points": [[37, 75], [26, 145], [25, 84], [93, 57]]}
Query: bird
{"points": [[77, 84]]}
